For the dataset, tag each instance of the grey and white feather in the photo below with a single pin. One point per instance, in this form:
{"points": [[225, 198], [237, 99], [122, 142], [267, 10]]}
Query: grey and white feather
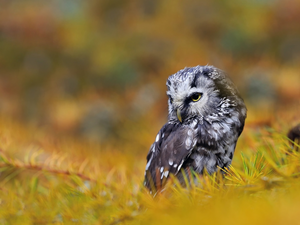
{"points": [[206, 117]]}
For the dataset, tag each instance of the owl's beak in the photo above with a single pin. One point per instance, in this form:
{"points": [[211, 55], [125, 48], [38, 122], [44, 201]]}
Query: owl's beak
{"points": [[179, 115]]}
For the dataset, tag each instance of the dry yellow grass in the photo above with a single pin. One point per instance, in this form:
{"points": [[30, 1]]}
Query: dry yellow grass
{"points": [[55, 180]]}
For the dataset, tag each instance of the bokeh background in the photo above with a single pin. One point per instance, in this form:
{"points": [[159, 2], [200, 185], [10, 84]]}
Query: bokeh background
{"points": [[96, 70]]}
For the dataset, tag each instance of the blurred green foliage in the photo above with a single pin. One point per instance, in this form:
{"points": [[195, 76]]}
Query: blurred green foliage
{"points": [[91, 68]]}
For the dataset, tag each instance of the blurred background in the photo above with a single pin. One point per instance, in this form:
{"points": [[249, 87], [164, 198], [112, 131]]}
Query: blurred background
{"points": [[97, 69]]}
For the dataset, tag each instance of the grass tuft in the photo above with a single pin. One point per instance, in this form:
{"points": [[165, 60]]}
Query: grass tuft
{"points": [[55, 182]]}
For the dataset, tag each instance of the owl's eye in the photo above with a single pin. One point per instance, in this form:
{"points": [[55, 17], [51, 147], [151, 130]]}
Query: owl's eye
{"points": [[171, 100], [195, 97]]}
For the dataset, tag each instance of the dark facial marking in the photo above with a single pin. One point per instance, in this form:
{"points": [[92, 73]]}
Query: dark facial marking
{"points": [[193, 84]]}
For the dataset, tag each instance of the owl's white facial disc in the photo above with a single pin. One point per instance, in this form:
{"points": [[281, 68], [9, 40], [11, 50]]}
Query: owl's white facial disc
{"points": [[209, 94], [183, 84]]}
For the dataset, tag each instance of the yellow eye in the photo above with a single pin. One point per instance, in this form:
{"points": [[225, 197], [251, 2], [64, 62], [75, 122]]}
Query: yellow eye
{"points": [[195, 97]]}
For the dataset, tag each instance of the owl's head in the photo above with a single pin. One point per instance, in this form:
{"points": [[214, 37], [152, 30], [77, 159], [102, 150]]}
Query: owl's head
{"points": [[200, 92]]}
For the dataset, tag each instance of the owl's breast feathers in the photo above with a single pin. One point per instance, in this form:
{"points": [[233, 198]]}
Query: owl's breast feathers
{"points": [[198, 145]]}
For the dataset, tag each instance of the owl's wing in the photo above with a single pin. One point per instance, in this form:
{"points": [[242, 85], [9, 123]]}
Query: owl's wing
{"points": [[173, 144]]}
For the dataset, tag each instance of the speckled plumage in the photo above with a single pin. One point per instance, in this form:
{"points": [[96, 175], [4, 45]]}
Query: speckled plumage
{"points": [[199, 134]]}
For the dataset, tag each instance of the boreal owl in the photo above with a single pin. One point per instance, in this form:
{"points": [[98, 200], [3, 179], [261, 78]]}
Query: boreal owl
{"points": [[206, 117]]}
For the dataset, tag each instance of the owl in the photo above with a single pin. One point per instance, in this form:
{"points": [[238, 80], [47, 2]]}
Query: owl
{"points": [[206, 118]]}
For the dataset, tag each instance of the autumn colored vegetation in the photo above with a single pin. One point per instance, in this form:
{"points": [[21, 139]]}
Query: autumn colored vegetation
{"points": [[82, 97]]}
